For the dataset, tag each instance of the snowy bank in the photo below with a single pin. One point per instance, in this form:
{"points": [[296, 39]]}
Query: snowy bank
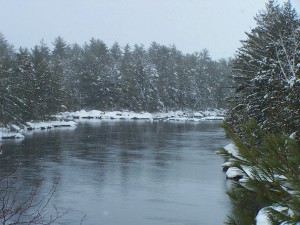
{"points": [[231, 171], [245, 173], [15, 132], [48, 125], [262, 217], [129, 115], [6, 133], [10, 135]]}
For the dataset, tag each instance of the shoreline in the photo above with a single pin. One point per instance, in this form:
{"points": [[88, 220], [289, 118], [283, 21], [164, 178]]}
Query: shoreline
{"points": [[196, 116], [68, 119]]}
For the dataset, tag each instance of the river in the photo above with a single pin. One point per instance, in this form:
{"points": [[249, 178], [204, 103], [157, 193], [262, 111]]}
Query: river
{"points": [[128, 172]]}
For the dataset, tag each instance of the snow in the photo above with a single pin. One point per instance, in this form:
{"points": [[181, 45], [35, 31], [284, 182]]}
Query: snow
{"points": [[243, 175], [96, 114], [293, 135], [227, 164], [213, 118], [198, 114], [62, 123], [15, 127], [263, 219], [18, 135], [6, 133], [129, 115], [234, 172], [232, 149], [49, 125], [10, 135]]}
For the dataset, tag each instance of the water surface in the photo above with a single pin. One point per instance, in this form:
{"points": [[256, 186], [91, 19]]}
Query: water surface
{"points": [[129, 172]]}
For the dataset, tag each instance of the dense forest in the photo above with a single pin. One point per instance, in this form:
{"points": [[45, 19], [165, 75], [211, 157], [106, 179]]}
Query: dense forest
{"points": [[36, 83], [263, 98], [264, 120]]}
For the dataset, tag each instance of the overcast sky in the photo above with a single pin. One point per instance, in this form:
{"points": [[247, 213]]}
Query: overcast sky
{"points": [[191, 25]]}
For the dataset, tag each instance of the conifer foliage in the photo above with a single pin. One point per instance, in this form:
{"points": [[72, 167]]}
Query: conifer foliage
{"points": [[268, 84], [267, 94], [39, 82], [270, 163]]}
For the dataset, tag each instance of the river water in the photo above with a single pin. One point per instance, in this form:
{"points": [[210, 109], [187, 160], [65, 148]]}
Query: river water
{"points": [[128, 172]]}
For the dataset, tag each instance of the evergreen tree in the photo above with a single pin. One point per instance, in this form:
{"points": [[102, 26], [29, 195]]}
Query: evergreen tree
{"points": [[267, 93], [24, 81], [40, 57], [38, 83], [267, 66], [47, 83], [94, 77], [60, 65], [115, 79], [60, 48], [6, 49], [73, 71], [204, 80], [160, 58], [270, 163], [128, 86], [10, 105]]}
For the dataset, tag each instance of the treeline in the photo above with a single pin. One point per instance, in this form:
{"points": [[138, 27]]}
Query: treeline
{"points": [[264, 119], [39, 82]]}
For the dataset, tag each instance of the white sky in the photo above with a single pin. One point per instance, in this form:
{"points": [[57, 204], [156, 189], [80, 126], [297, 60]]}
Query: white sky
{"points": [[191, 25]]}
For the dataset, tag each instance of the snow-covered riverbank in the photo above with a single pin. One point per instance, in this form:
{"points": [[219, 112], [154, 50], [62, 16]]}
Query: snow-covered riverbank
{"points": [[66, 119], [128, 115], [15, 132], [241, 175]]}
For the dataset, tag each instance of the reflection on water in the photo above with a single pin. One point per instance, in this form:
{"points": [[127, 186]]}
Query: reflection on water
{"points": [[129, 172]]}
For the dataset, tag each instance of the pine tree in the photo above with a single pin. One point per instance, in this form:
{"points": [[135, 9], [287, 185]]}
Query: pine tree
{"points": [[166, 80], [224, 82], [115, 77], [267, 66], [10, 105], [24, 80], [47, 83], [94, 77], [60, 65], [128, 87], [268, 94], [38, 83], [60, 48], [73, 73], [270, 163]]}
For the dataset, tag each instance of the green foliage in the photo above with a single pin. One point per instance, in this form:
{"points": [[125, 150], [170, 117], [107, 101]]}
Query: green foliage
{"points": [[37, 83], [267, 85], [274, 178], [267, 95]]}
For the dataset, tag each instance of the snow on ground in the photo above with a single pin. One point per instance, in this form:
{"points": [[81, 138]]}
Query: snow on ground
{"points": [[234, 173], [128, 115], [96, 114], [6, 133], [231, 171], [10, 135], [48, 125], [15, 132], [242, 176], [232, 149], [263, 219]]}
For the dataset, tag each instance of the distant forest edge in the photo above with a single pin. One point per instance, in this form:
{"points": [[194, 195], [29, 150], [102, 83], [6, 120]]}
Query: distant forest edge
{"points": [[36, 83]]}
